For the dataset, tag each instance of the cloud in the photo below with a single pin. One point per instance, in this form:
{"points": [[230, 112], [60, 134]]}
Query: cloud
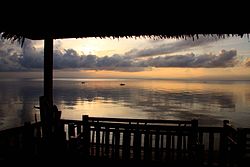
{"points": [[9, 56], [15, 58], [168, 48], [30, 57], [68, 59], [224, 59]]}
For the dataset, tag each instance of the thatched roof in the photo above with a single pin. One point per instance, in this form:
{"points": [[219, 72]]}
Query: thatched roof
{"points": [[137, 24], [118, 32], [40, 35]]}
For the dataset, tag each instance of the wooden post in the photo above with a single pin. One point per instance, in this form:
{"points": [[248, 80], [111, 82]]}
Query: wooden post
{"points": [[126, 143], [223, 143], [137, 143], [194, 132], [46, 116], [28, 140], [86, 136], [117, 142], [193, 145], [157, 142], [242, 142], [97, 126], [48, 70], [107, 132], [46, 101], [147, 144], [211, 148], [71, 130]]}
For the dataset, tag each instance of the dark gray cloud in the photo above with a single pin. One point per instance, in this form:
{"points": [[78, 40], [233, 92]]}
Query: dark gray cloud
{"points": [[167, 48], [31, 58], [9, 56], [224, 59], [68, 59], [15, 58]]}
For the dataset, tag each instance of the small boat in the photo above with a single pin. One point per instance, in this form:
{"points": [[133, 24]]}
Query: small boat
{"points": [[83, 82], [122, 84]]}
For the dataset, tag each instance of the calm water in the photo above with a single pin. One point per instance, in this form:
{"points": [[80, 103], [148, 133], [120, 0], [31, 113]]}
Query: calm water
{"points": [[210, 102]]}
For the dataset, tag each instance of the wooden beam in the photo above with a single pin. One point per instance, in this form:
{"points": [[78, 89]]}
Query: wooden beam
{"points": [[48, 70]]}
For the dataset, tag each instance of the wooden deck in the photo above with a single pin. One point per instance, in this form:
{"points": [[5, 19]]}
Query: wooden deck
{"points": [[129, 141]]}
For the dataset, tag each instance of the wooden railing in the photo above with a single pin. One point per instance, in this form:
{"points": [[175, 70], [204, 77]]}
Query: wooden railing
{"points": [[136, 139], [243, 149], [20, 141], [164, 140]]}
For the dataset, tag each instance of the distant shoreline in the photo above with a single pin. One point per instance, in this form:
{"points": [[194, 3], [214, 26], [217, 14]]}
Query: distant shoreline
{"points": [[122, 79]]}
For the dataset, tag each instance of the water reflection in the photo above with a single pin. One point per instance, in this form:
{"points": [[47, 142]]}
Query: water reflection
{"points": [[17, 99], [209, 102]]}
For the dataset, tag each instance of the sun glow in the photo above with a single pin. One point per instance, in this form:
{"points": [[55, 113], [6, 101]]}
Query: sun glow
{"points": [[88, 50], [106, 46], [175, 73]]}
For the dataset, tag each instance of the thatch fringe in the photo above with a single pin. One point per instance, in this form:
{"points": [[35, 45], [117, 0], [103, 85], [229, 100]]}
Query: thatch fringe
{"points": [[13, 37], [20, 36]]}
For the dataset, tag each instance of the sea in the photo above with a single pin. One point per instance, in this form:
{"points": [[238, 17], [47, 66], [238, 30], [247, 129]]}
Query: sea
{"points": [[209, 101]]}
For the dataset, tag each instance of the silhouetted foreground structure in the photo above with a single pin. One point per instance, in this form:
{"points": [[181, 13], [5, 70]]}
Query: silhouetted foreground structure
{"points": [[120, 141], [128, 141]]}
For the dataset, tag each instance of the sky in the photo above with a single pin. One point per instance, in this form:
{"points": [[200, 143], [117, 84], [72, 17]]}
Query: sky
{"points": [[206, 57]]}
